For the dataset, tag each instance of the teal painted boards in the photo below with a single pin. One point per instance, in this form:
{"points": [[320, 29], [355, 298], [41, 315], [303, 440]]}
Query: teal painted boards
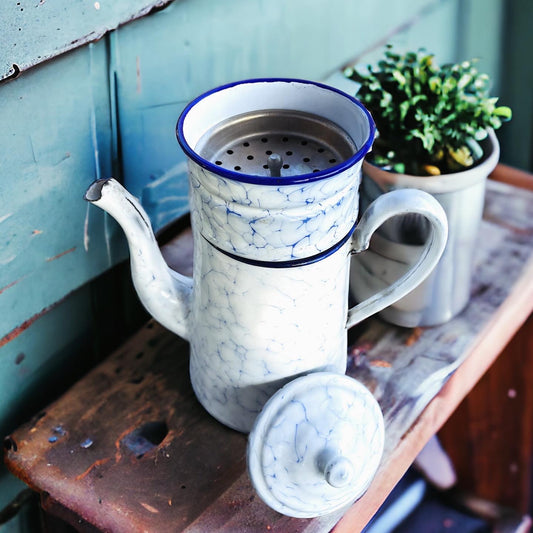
{"points": [[34, 31], [57, 140]]}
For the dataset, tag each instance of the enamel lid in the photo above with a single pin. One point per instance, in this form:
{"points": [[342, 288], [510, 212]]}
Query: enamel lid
{"points": [[316, 445]]}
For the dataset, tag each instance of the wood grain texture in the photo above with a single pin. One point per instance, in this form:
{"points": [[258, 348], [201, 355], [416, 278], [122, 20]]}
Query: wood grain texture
{"points": [[39, 31], [195, 479]]}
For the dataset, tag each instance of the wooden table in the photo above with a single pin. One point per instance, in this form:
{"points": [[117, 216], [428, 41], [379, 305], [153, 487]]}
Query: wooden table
{"points": [[129, 449]]}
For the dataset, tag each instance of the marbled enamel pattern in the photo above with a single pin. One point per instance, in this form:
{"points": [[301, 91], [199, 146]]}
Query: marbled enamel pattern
{"points": [[316, 445], [256, 328], [277, 222], [269, 218]]}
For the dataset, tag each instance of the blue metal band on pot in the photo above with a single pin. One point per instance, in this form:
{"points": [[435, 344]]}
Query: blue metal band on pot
{"points": [[269, 218], [288, 264]]}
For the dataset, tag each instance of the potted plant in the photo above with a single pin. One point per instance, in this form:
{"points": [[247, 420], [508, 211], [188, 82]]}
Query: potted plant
{"points": [[436, 133]]}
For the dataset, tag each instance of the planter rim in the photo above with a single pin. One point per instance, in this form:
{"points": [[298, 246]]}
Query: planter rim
{"points": [[444, 182]]}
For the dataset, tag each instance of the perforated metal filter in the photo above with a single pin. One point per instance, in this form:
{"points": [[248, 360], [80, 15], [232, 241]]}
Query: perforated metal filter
{"points": [[276, 142]]}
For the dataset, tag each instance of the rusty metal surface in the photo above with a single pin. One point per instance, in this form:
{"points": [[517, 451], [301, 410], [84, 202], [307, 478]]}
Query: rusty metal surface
{"points": [[34, 31]]}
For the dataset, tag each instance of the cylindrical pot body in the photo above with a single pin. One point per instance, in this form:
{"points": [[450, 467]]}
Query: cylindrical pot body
{"points": [[446, 292], [272, 248], [255, 327], [271, 260]]}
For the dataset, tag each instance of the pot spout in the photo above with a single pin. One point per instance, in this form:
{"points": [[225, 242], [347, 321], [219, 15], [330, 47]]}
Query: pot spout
{"points": [[165, 294]]}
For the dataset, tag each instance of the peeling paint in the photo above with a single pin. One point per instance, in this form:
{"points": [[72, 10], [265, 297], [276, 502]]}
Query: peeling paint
{"points": [[48, 259], [7, 260], [64, 158], [9, 285], [23, 327], [22, 50]]}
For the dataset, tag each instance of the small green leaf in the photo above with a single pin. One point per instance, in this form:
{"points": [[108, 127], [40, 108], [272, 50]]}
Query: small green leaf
{"points": [[404, 109], [464, 81], [495, 122], [504, 112], [481, 134], [399, 77], [435, 84], [448, 85], [475, 149]]}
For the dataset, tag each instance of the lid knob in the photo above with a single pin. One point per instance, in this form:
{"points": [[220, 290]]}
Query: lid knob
{"points": [[316, 445], [339, 471]]}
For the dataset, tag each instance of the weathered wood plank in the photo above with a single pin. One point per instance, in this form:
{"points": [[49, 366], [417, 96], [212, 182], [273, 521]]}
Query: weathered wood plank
{"points": [[56, 140], [40, 30], [502, 299], [413, 365], [85, 453]]}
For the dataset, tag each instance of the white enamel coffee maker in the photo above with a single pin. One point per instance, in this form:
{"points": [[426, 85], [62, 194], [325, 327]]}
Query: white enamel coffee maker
{"points": [[274, 173]]}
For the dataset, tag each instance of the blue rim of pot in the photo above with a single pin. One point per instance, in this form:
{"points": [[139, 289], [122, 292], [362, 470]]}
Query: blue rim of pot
{"points": [[268, 180]]}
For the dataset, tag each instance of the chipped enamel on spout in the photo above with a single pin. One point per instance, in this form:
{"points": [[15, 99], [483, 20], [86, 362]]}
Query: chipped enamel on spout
{"points": [[165, 294]]}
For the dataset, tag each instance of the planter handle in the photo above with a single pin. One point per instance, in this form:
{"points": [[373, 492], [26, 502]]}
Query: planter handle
{"points": [[399, 202]]}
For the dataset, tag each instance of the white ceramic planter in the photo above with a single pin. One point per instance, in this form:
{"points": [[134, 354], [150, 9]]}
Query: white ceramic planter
{"points": [[446, 292]]}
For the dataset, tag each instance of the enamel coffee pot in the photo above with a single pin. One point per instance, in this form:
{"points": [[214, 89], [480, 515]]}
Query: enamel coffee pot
{"points": [[274, 173]]}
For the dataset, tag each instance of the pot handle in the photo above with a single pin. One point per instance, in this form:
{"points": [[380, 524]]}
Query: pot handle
{"points": [[399, 202]]}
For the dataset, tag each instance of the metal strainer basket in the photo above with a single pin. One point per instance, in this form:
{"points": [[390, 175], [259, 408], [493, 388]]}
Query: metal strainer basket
{"points": [[276, 142]]}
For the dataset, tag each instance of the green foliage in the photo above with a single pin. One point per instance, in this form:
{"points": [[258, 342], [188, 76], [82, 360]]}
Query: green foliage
{"points": [[429, 117]]}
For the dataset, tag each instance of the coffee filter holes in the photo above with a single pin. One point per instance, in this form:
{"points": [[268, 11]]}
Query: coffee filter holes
{"points": [[237, 147], [299, 155]]}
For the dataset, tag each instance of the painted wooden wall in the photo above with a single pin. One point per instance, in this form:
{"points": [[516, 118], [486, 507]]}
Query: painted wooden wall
{"points": [[109, 106]]}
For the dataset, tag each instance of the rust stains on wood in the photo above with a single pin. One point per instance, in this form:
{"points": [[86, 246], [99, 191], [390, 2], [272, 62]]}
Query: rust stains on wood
{"points": [[13, 334], [70, 250], [380, 363], [415, 335], [139, 422], [9, 285], [97, 463]]}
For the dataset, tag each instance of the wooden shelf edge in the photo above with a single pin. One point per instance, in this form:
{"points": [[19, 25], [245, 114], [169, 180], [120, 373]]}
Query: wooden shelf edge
{"points": [[512, 176], [491, 341]]}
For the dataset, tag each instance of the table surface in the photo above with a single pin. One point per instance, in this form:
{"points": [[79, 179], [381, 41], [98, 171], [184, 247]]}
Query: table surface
{"points": [[129, 449]]}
